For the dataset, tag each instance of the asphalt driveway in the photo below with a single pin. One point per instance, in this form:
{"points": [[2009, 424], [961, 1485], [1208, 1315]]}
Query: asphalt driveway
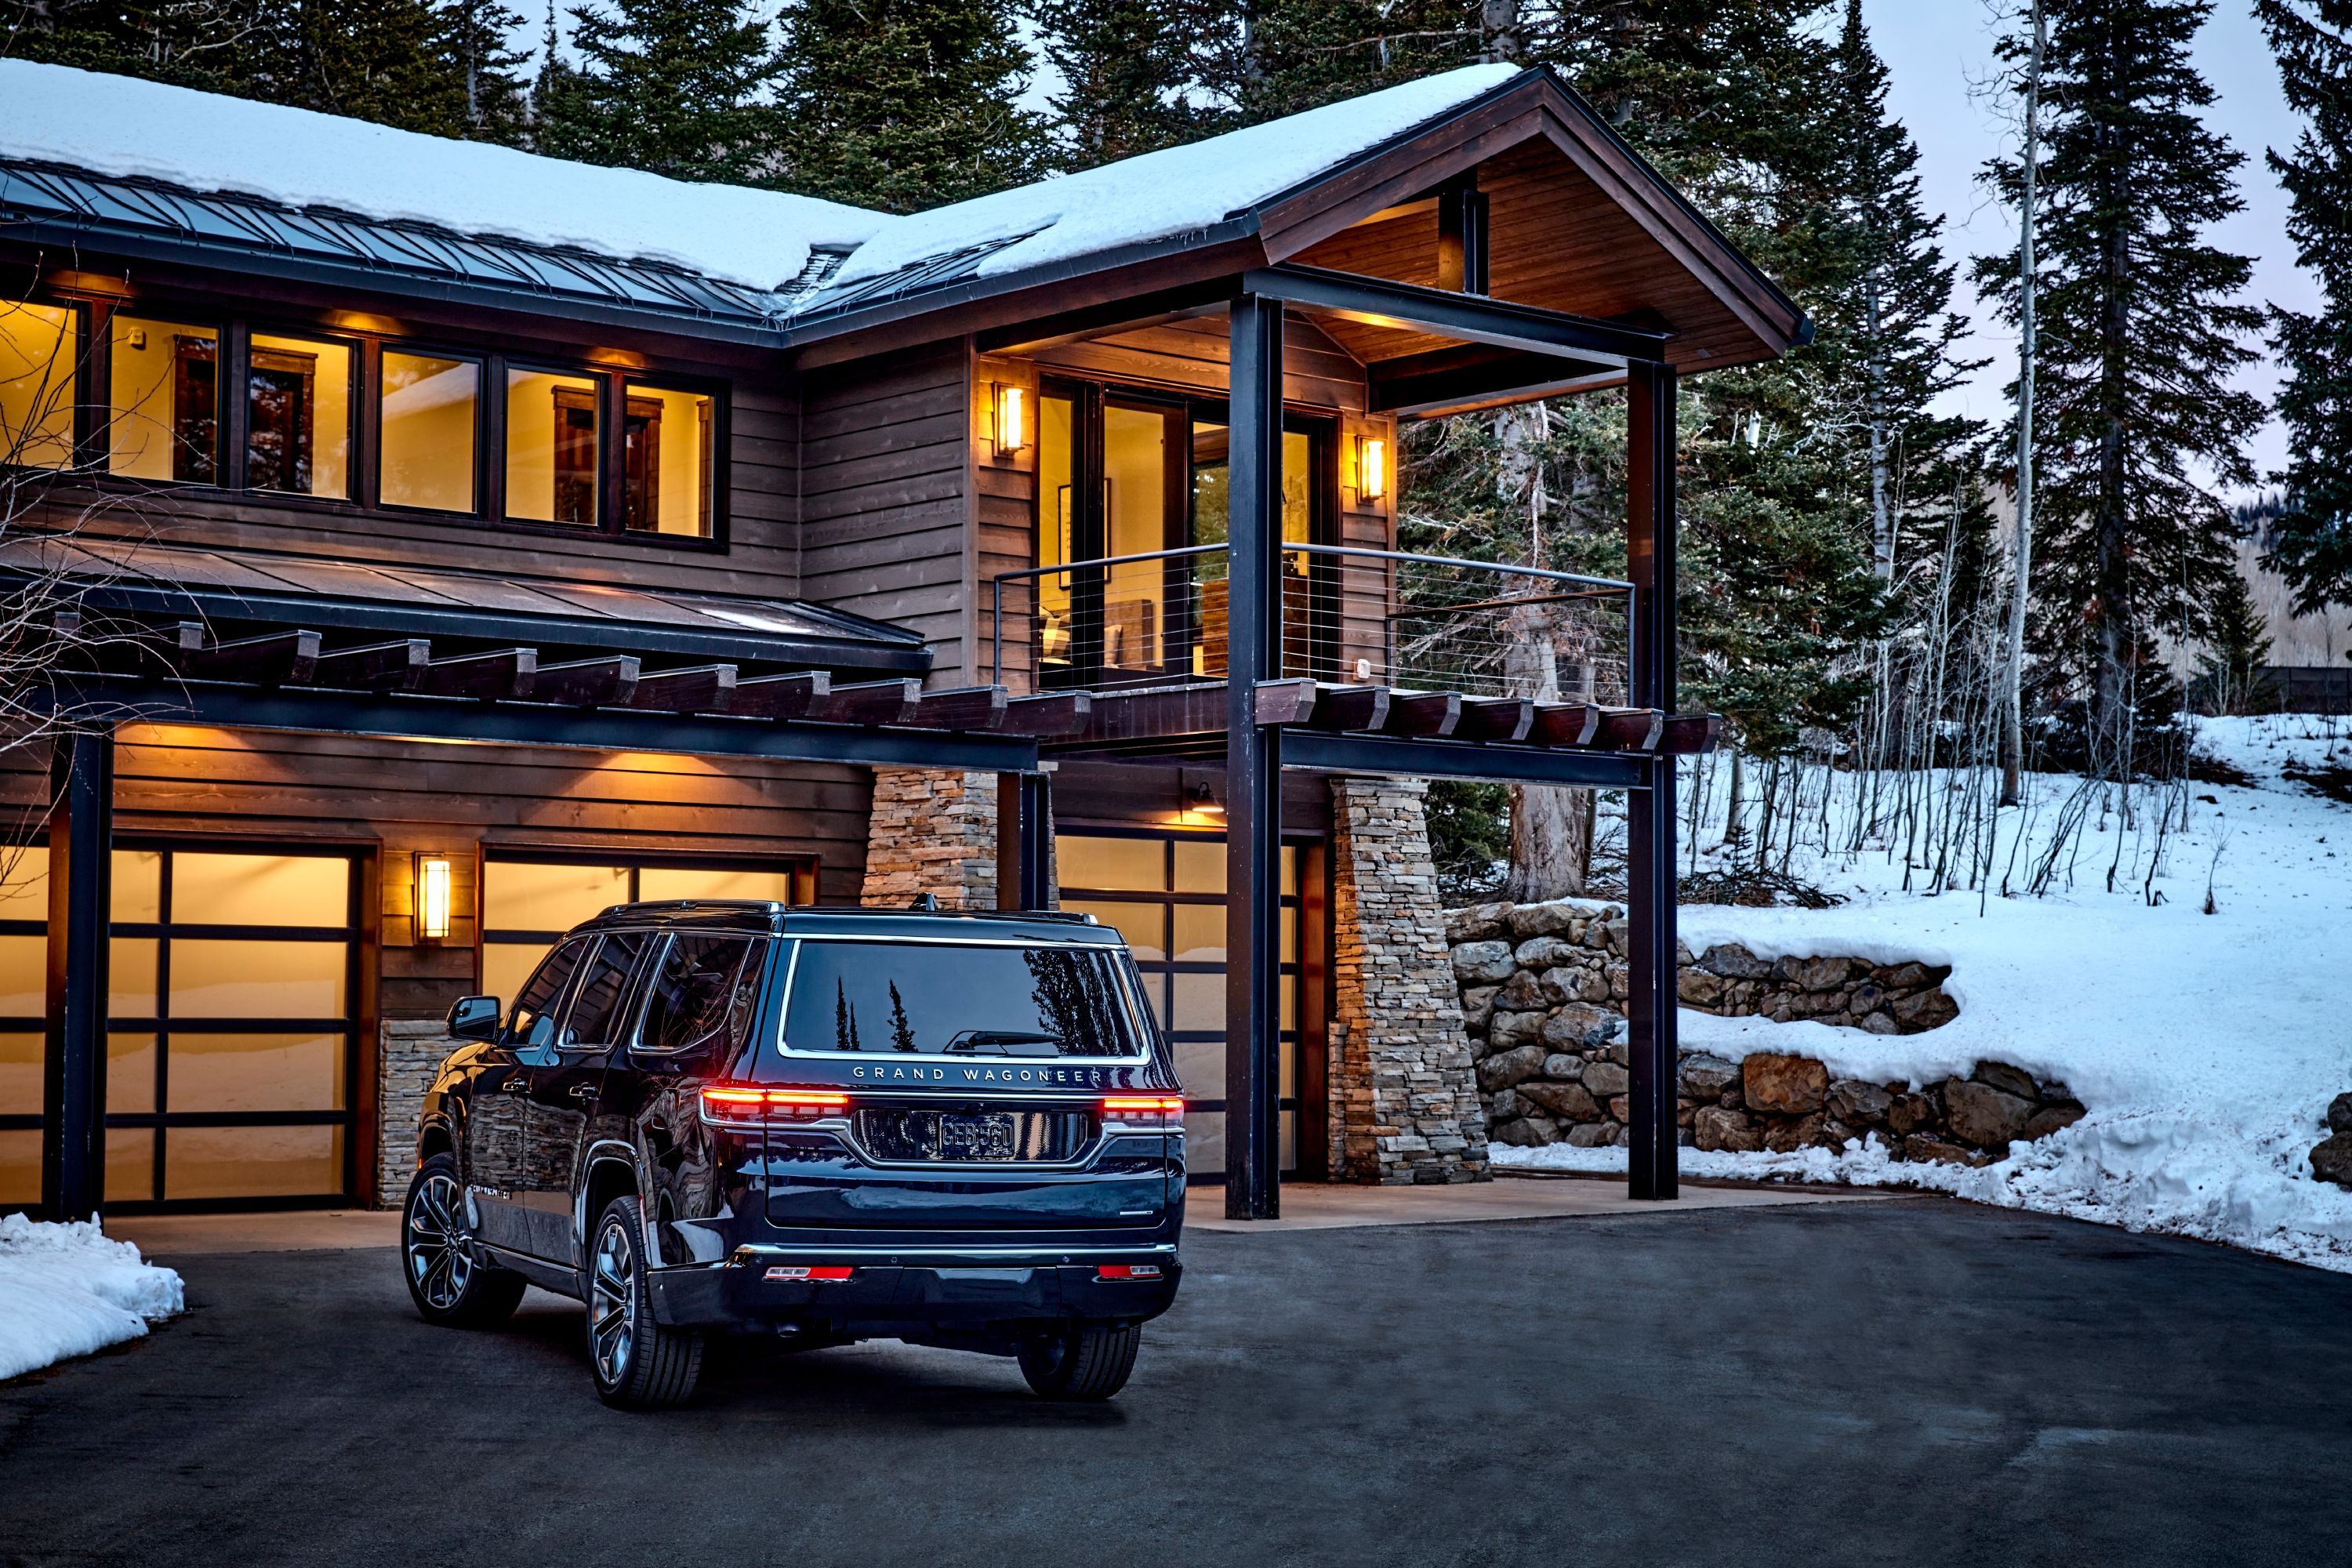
{"points": [[1909, 1382]]}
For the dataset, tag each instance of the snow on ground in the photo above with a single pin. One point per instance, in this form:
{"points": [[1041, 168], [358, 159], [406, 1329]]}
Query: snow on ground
{"points": [[2207, 1046], [207, 142], [66, 1290]]}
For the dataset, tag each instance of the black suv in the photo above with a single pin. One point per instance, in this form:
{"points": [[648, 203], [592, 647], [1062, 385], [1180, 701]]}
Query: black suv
{"points": [[829, 1125]]}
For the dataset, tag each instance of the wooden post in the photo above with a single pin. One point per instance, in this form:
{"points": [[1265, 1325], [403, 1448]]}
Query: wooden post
{"points": [[1650, 812], [81, 830], [1252, 766]]}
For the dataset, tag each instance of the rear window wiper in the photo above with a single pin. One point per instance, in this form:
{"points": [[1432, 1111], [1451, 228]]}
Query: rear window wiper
{"points": [[970, 1042]]}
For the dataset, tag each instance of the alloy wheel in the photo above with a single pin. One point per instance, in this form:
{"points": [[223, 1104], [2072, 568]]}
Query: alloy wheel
{"points": [[612, 1296], [437, 1261]]}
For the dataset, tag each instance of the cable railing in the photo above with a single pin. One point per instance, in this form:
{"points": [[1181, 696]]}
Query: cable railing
{"points": [[1348, 613]]}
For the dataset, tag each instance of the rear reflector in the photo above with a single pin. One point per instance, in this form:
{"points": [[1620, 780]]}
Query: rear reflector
{"points": [[1144, 1110], [1126, 1272], [749, 1102], [816, 1276]]}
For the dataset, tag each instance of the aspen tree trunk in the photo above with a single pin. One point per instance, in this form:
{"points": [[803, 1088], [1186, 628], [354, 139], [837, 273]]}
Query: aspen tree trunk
{"points": [[2012, 736]]}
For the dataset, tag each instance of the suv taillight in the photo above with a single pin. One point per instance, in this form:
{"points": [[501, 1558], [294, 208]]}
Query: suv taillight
{"points": [[749, 1102], [1144, 1110]]}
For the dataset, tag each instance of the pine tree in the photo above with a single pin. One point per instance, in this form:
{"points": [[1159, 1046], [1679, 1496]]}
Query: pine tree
{"points": [[180, 41], [902, 1033], [440, 68], [906, 104], [2141, 333], [1129, 70], [2233, 669], [671, 87], [2311, 543]]}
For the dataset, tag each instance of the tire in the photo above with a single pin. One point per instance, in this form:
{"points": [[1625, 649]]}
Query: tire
{"points": [[1088, 1360], [638, 1364], [449, 1287]]}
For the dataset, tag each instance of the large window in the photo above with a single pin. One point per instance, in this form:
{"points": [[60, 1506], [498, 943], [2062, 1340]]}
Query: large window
{"points": [[665, 458], [40, 355], [431, 408], [165, 400], [530, 901], [1166, 895], [298, 400], [231, 1023], [552, 473]]}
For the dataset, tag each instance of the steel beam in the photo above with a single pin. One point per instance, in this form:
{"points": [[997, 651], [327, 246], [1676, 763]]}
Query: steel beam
{"points": [[73, 1072], [1463, 317], [1025, 815], [1312, 751], [1650, 814], [1253, 763]]}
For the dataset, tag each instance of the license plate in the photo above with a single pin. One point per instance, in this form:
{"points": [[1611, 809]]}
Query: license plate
{"points": [[984, 1137]]}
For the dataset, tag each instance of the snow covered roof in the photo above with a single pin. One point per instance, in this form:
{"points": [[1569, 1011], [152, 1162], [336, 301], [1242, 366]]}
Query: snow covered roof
{"points": [[1158, 195], [206, 143]]}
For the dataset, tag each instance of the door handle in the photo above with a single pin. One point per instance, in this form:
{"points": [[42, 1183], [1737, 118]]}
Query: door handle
{"points": [[518, 1084], [580, 1090]]}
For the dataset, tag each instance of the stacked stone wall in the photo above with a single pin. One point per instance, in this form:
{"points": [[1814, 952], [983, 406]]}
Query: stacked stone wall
{"points": [[1404, 1108], [1543, 990], [408, 1050], [933, 831]]}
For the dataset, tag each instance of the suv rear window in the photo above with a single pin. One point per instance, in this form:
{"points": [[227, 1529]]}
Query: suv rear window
{"points": [[952, 999]]}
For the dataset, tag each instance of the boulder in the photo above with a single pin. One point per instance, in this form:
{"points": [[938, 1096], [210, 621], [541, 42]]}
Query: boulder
{"points": [[1477, 1006], [1504, 1106], [1705, 1077], [1834, 1133], [1621, 1108], [1922, 1147], [1575, 983], [1621, 982], [1606, 1078], [2332, 1160], [1980, 1114], [1715, 1128], [1528, 1133], [1907, 1113], [1563, 1067], [1543, 919], [2340, 1114], [1785, 1137], [1522, 993], [1699, 989], [1479, 922], [1862, 1104], [1616, 933], [1511, 1069], [1580, 1025], [1927, 1010], [1733, 962], [1882, 1024], [1513, 1031], [1592, 1135], [1818, 974], [1789, 1086], [1568, 1101], [1483, 963], [1902, 976], [1540, 952], [1619, 1047], [2008, 1080], [2050, 1117], [1868, 997]]}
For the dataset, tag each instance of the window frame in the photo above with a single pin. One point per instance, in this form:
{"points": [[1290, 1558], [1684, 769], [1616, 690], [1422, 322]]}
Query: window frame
{"points": [[94, 310]]}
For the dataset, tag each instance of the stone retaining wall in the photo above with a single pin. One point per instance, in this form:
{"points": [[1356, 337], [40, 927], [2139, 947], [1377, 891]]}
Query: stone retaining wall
{"points": [[407, 1052], [1543, 989]]}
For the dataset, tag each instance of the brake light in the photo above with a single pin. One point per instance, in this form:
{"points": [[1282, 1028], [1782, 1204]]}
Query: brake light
{"points": [[818, 1275], [749, 1102], [1144, 1110], [1127, 1271]]}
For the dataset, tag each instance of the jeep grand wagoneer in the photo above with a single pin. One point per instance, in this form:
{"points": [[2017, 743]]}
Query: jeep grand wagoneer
{"points": [[830, 1125]]}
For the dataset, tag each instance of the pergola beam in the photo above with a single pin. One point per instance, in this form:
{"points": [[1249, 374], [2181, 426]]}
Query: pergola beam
{"points": [[1464, 318]]}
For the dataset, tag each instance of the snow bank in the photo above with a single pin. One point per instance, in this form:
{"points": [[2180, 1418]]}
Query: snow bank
{"points": [[1173, 191], [66, 1290], [207, 142], [2207, 1046]]}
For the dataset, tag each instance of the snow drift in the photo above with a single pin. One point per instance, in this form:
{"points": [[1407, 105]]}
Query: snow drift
{"points": [[66, 1290]]}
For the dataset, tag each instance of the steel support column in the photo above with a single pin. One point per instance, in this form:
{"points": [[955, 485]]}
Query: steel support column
{"points": [[1252, 766], [81, 830], [1650, 813], [1025, 840]]}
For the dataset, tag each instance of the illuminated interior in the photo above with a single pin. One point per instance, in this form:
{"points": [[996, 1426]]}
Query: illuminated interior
{"points": [[551, 448], [165, 399], [40, 349], [1057, 428], [431, 412], [665, 462], [528, 904], [1135, 521], [299, 417]]}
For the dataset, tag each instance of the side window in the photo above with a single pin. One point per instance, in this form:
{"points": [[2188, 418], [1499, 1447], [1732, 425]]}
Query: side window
{"points": [[701, 993], [532, 1025], [597, 1005]]}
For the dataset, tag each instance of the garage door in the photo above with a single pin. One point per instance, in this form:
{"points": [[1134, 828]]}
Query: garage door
{"points": [[528, 901]]}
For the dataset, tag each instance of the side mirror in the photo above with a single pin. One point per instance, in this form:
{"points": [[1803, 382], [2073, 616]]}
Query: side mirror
{"points": [[473, 1018]]}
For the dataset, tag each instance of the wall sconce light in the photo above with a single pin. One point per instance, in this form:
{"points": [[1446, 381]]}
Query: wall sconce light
{"points": [[1372, 467], [434, 896], [1012, 405], [1200, 802]]}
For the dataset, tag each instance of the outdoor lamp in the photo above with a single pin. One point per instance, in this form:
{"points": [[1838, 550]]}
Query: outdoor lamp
{"points": [[1200, 802], [1372, 467], [1012, 419], [433, 898]]}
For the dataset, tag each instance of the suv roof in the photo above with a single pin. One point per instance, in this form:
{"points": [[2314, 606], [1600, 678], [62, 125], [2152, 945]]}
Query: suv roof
{"points": [[807, 920]]}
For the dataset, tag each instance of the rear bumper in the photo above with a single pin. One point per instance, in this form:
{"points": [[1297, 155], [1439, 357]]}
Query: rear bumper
{"points": [[908, 1292]]}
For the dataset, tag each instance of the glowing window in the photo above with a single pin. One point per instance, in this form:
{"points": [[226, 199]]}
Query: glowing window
{"points": [[431, 407], [666, 447], [165, 401], [39, 350]]}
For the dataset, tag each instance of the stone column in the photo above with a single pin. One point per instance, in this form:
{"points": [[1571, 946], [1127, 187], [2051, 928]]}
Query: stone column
{"points": [[1404, 1100], [933, 832]]}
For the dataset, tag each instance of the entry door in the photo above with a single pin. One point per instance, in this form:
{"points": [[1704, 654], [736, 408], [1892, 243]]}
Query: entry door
{"points": [[1166, 895]]}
